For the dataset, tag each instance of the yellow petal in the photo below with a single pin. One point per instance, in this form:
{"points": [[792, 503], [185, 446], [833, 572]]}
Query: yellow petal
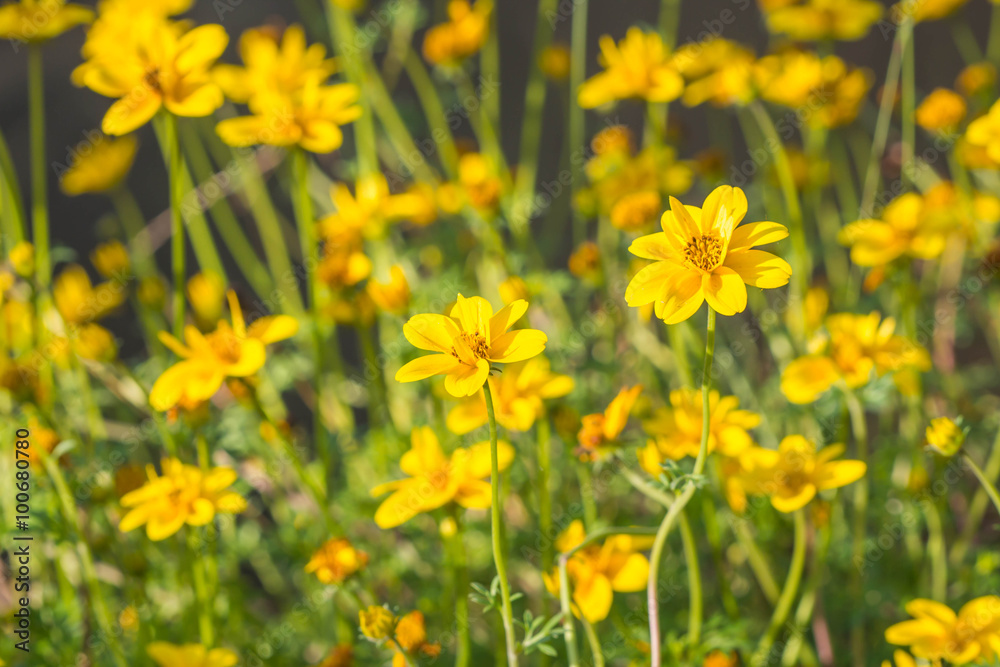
{"points": [[425, 455], [794, 501], [518, 345], [839, 473], [807, 377], [682, 300], [424, 367], [201, 47], [478, 464], [465, 380], [759, 268], [653, 246], [131, 112], [632, 576], [506, 318], [651, 283], [399, 508], [197, 102], [753, 234], [475, 494], [594, 598], [431, 332], [725, 291], [473, 313], [273, 328]]}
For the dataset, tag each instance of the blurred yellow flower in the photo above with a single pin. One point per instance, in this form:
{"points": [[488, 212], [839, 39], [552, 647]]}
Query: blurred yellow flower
{"points": [[554, 61], [975, 78], [824, 90], [101, 168], [938, 633], [945, 436], [22, 258], [984, 132], [597, 571], [817, 20], [599, 432], [717, 71], [702, 255], [92, 341], [411, 640], [941, 111], [370, 209], [675, 431], [208, 359], [637, 66], [512, 289], [377, 623], [793, 474], [467, 342], [190, 655], [636, 211], [925, 10], [183, 494], [36, 21], [436, 480], [79, 301], [625, 187], [394, 296], [206, 292], [585, 261], [719, 658], [518, 397], [336, 560], [163, 68], [464, 33], [341, 655], [853, 348], [905, 228], [478, 185], [111, 260]]}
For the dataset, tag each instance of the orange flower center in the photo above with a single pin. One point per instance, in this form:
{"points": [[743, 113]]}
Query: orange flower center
{"points": [[704, 252], [225, 344], [152, 79], [475, 342]]}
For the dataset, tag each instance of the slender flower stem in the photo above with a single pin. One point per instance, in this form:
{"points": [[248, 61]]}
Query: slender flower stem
{"points": [[39, 170], [788, 592], [544, 463], [11, 206], [988, 486], [978, 506], [695, 603], [586, 481], [860, 431], [881, 134], [908, 104], [172, 151], [499, 557], [569, 627], [206, 630], [577, 72], [993, 42], [461, 574], [937, 552], [595, 644], [656, 555]]}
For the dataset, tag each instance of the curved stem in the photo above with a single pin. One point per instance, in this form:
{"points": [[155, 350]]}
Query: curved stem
{"points": [[695, 603], [499, 557], [988, 486], [978, 506], [881, 134], [592, 639], [788, 592]]}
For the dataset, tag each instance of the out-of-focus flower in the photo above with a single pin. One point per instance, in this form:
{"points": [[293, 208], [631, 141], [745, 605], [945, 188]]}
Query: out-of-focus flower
{"points": [[816, 20], [636, 211], [793, 474], [376, 622], [79, 301], [941, 111], [945, 436], [585, 261], [22, 258], [190, 655], [92, 341], [341, 655], [111, 260], [518, 397], [853, 348], [206, 292], [824, 90], [625, 187], [925, 10], [336, 560], [391, 297], [42, 438], [675, 431], [599, 431], [151, 292], [984, 132], [101, 168], [162, 66], [596, 572], [904, 229], [638, 66], [478, 185], [464, 33], [554, 61], [370, 209], [719, 658], [702, 255], [183, 494], [467, 342], [208, 359], [938, 633], [411, 639], [273, 64], [512, 289], [436, 480], [975, 78], [129, 619], [717, 71], [36, 21]]}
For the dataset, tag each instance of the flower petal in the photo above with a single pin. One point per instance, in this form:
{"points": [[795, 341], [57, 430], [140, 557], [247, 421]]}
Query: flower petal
{"points": [[650, 283], [759, 268], [725, 291], [432, 332], [506, 318], [632, 576], [756, 233], [465, 380], [518, 345], [131, 112], [426, 366], [682, 300]]}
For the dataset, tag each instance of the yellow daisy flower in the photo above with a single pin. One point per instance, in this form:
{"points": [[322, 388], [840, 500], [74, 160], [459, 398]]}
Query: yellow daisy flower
{"points": [[637, 66], [938, 633], [945, 436], [941, 111], [101, 168], [435, 480], [79, 301], [190, 655], [467, 342], [394, 296], [464, 33], [36, 21], [816, 20], [718, 71], [904, 229], [183, 494], [599, 432], [701, 255], [336, 560], [410, 639]]}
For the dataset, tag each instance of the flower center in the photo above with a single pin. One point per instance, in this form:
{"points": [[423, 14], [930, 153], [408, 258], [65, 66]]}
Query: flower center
{"points": [[152, 79], [476, 342], [704, 252]]}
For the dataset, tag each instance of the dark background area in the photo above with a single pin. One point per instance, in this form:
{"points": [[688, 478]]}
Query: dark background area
{"points": [[73, 111]]}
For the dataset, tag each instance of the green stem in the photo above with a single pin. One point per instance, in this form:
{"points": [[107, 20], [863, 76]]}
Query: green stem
{"points": [[39, 168], [988, 486], [577, 126], [10, 198], [881, 134], [586, 481], [569, 627], [695, 603], [937, 552], [172, 153], [461, 574], [656, 555], [434, 112], [788, 592], [908, 104], [595, 644], [807, 604], [544, 463], [860, 431], [993, 42], [206, 630], [499, 557]]}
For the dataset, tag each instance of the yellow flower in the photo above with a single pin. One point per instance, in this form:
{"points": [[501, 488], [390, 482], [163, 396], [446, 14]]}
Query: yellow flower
{"points": [[945, 436], [129, 618], [676, 430], [796, 472], [854, 347], [151, 292], [92, 341], [391, 297], [411, 639], [554, 61], [717, 71], [111, 259], [597, 571], [975, 78], [925, 10], [22, 258], [624, 186], [371, 208], [825, 91], [512, 289], [904, 229], [272, 65], [938, 633], [702, 255], [719, 658], [184, 494], [376, 622], [162, 68], [309, 117], [190, 655], [585, 261], [637, 66], [599, 432], [42, 438], [816, 20], [101, 168], [435, 480], [341, 655], [467, 342], [208, 359], [941, 111], [635, 211], [206, 292], [984, 132], [518, 397], [336, 560], [463, 35], [478, 185], [901, 659], [36, 21], [79, 301]]}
